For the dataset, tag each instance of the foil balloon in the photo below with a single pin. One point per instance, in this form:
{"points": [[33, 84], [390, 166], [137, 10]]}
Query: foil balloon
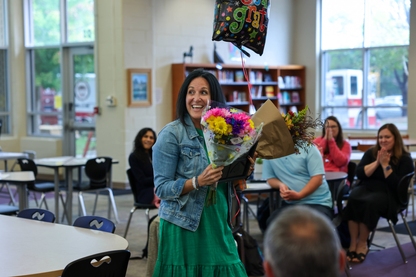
{"points": [[242, 22]]}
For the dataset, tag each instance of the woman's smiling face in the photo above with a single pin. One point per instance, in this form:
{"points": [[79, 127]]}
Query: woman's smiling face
{"points": [[386, 139], [197, 98]]}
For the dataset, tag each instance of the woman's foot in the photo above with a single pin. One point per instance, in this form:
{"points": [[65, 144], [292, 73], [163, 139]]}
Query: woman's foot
{"points": [[361, 254], [351, 255]]}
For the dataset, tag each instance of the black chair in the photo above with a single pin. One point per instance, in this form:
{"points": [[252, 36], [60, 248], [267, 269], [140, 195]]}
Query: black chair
{"points": [[137, 205], [98, 171], [95, 223], [42, 187], [337, 199], [37, 214], [403, 197], [8, 210], [111, 263], [352, 166]]}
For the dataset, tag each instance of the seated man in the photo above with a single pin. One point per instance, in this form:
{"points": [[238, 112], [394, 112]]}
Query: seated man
{"points": [[302, 242], [300, 180]]}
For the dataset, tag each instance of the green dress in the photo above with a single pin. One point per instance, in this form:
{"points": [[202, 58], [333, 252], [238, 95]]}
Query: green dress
{"points": [[210, 251]]}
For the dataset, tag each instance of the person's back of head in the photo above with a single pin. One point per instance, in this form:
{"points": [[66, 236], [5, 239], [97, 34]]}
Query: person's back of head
{"points": [[301, 243]]}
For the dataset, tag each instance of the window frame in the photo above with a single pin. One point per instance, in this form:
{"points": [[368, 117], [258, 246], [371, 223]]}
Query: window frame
{"points": [[365, 107]]}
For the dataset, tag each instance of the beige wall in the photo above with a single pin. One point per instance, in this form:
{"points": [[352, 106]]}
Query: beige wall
{"points": [[154, 34]]}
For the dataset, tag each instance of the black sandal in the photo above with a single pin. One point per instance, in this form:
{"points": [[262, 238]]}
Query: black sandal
{"points": [[360, 257], [351, 255]]}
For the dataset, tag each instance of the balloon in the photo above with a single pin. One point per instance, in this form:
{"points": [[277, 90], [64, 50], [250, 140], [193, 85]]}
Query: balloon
{"points": [[242, 22]]}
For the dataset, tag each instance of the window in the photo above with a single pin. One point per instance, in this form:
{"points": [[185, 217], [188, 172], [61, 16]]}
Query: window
{"points": [[5, 119], [49, 35], [364, 62]]}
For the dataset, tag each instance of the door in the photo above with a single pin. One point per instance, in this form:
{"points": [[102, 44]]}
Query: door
{"points": [[79, 127]]}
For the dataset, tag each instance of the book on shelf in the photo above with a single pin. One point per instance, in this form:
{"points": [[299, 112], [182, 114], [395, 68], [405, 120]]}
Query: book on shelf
{"points": [[267, 78], [285, 97], [280, 82], [259, 76], [260, 91], [239, 76], [295, 97], [270, 91], [279, 97]]}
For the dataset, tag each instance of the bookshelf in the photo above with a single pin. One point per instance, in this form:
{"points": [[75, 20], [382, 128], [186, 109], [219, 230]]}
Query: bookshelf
{"points": [[283, 85]]}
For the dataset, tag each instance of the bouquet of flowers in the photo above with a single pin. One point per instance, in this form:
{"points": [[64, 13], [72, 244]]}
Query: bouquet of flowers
{"points": [[229, 133], [301, 127]]}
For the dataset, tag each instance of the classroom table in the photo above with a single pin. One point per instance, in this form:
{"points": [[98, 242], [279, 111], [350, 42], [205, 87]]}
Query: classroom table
{"points": [[354, 142], [259, 187], [36, 248], [68, 163], [356, 156], [333, 179], [5, 156], [20, 179]]}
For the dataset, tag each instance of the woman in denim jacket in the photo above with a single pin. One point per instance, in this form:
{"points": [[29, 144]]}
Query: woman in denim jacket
{"points": [[194, 239]]}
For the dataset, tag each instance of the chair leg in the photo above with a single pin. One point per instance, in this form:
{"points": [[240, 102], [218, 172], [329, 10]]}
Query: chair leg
{"points": [[147, 215], [408, 231], [370, 242], [113, 203], [245, 215], [95, 202], [9, 190], [64, 212], [347, 268], [81, 203], [397, 241], [42, 200], [128, 221]]}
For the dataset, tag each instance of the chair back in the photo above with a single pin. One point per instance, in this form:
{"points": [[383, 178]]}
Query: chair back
{"points": [[95, 223], [363, 147], [402, 190], [96, 170], [352, 166], [28, 165], [132, 182], [340, 193], [37, 214], [110, 263], [130, 176]]}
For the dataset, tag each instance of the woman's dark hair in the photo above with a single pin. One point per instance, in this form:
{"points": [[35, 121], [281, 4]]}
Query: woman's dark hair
{"points": [[214, 86], [138, 148], [398, 148], [339, 140]]}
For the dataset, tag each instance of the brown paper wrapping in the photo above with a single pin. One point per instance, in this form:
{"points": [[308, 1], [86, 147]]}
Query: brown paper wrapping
{"points": [[275, 140]]}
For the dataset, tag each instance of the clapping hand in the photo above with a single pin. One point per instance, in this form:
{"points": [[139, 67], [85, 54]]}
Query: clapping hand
{"points": [[383, 157], [328, 132]]}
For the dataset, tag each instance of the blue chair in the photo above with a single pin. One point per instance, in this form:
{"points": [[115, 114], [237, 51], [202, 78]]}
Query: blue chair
{"points": [[111, 263], [8, 210], [95, 223], [37, 214]]}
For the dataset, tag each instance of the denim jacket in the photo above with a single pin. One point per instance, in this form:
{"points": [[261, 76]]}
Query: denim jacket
{"points": [[179, 155]]}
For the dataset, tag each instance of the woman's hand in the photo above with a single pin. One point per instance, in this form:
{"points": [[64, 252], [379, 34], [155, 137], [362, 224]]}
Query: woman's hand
{"points": [[210, 175], [383, 157], [252, 161], [328, 133], [287, 194]]}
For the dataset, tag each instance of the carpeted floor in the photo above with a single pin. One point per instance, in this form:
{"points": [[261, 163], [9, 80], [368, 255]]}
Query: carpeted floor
{"points": [[400, 228], [386, 263]]}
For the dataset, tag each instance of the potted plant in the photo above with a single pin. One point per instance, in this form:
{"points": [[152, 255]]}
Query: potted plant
{"points": [[258, 166]]}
